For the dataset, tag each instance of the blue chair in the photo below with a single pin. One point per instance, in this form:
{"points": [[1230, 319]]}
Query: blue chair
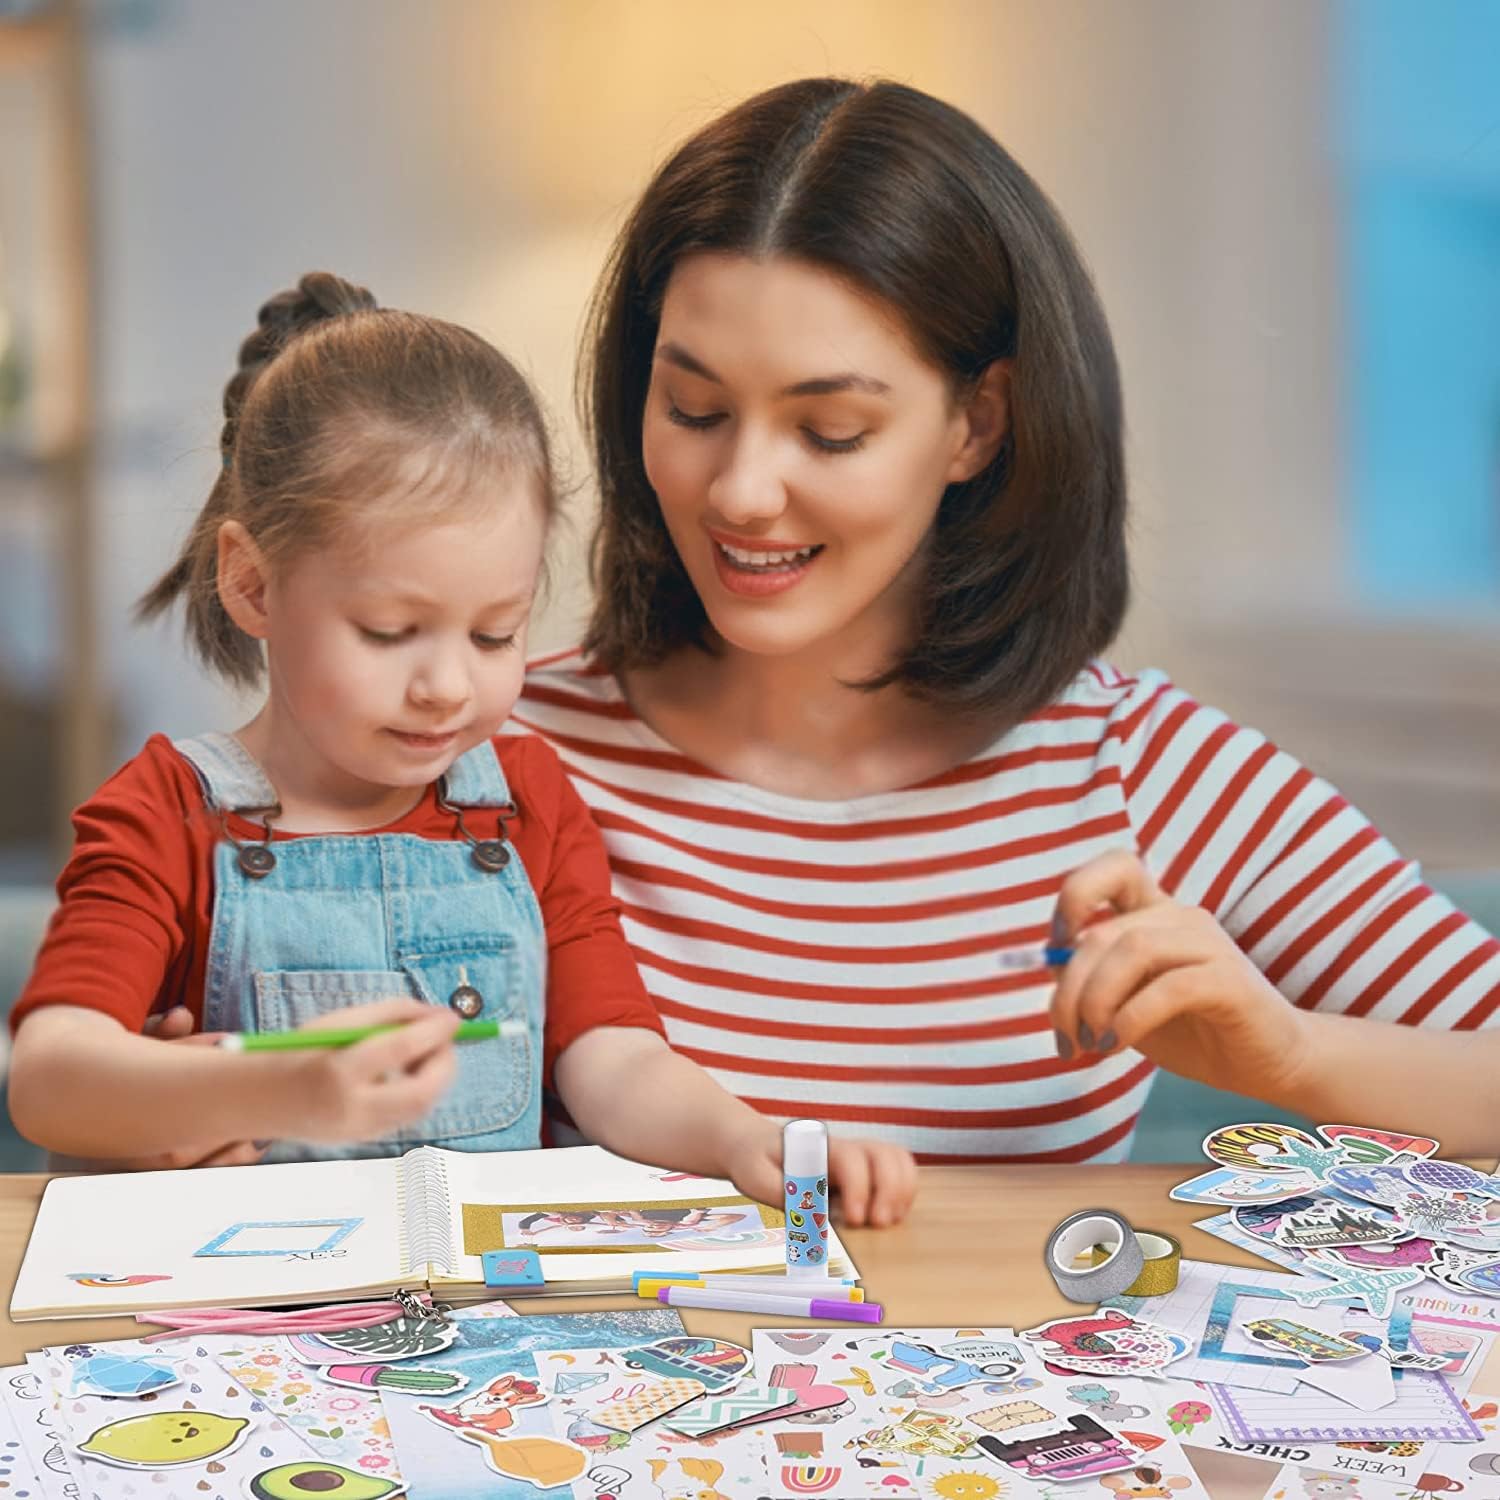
{"points": [[24, 911]]}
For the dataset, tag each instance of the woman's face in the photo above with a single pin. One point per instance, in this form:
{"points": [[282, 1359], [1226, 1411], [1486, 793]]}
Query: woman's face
{"points": [[799, 446]]}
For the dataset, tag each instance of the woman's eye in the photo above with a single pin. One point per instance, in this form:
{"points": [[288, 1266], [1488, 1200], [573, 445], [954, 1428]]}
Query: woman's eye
{"points": [[384, 637], [686, 419], [493, 642], [834, 445]]}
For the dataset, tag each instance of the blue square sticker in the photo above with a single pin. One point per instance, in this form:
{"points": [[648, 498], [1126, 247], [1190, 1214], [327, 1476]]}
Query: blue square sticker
{"points": [[512, 1268]]}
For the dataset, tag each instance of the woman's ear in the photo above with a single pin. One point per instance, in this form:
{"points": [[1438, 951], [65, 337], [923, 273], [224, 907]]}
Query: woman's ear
{"points": [[986, 422], [243, 579]]}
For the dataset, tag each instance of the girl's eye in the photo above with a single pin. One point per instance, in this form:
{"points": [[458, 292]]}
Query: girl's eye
{"points": [[384, 637], [834, 445], [493, 642], [686, 419]]}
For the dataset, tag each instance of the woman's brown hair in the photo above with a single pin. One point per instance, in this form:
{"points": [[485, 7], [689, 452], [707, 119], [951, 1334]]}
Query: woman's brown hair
{"points": [[909, 199], [339, 407]]}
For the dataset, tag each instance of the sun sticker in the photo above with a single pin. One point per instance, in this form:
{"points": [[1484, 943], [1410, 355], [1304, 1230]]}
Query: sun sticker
{"points": [[963, 1484]]}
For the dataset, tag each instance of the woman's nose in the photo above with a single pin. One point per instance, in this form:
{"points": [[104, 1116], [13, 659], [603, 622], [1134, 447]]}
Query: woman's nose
{"points": [[748, 487]]}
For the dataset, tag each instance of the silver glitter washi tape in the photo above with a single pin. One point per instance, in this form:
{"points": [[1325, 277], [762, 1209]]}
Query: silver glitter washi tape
{"points": [[1080, 1234]]}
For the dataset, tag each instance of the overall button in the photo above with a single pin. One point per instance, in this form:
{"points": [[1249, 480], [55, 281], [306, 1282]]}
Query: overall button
{"points": [[256, 860], [467, 1001], [490, 855]]}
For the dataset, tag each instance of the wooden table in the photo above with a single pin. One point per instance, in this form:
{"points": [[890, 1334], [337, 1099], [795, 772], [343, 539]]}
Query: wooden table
{"points": [[970, 1254]]}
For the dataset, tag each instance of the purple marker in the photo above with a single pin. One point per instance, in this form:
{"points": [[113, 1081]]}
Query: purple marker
{"points": [[786, 1304]]}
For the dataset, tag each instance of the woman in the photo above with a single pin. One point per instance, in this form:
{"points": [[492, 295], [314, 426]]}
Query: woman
{"points": [[840, 712]]}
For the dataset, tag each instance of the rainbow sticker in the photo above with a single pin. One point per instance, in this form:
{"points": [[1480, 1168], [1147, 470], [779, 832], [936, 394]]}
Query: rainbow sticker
{"points": [[103, 1278]]}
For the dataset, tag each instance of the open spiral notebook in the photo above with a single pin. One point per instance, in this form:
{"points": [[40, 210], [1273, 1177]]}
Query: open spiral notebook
{"points": [[307, 1232]]}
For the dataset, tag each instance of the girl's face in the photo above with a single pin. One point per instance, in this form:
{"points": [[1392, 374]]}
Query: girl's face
{"points": [[398, 647], [799, 447]]}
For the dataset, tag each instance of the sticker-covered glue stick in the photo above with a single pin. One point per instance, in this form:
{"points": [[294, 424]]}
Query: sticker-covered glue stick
{"points": [[804, 1164]]}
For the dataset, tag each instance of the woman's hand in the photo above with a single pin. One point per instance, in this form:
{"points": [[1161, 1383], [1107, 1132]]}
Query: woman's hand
{"points": [[875, 1182], [1167, 980]]}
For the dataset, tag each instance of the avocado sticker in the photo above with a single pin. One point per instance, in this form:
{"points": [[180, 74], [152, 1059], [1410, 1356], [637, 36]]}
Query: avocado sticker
{"points": [[166, 1439], [312, 1479]]}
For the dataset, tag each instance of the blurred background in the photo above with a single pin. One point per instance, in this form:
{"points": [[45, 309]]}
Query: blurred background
{"points": [[1292, 209]]}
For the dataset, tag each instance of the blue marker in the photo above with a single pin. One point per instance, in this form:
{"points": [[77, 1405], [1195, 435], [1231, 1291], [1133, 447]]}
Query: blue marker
{"points": [[804, 1166], [1050, 957]]}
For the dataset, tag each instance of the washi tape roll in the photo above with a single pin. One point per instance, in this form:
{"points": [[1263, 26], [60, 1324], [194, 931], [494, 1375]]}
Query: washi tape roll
{"points": [[1114, 1255], [1163, 1262]]}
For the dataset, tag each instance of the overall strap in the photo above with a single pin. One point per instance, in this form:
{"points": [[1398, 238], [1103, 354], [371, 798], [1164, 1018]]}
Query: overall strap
{"points": [[476, 780], [229, 775]]}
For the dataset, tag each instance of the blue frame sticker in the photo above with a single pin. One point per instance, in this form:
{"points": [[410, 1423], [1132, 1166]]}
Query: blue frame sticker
{"points": [[338, 1231], [1221, 1314]]}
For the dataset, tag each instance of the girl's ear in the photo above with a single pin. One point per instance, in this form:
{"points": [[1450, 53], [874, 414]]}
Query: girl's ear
{"points": [[986, 418], [243, 579]]}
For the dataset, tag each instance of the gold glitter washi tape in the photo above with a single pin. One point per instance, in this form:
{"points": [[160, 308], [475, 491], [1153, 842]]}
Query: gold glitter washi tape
{"points": [[1163, 1260]]}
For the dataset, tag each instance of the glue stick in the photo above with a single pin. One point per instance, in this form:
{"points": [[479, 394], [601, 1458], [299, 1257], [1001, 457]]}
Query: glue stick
{"points": [[804, 1164]]}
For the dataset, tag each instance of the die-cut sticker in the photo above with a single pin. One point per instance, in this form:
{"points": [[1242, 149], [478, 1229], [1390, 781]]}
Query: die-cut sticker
{"points": [[165, 1439]]}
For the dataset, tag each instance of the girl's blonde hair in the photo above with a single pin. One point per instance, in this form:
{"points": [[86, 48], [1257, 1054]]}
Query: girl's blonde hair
{"points": [[338, 408]]}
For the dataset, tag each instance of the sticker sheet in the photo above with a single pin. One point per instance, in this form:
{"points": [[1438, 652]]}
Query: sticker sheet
{"points": [[337, 1422], [655, 1461], [30, 1407], [1439, 1320], [211, 1435], [952, 1413], [18, 1476], [494, 1440]]}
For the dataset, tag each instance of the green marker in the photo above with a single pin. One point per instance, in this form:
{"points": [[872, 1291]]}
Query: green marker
{"points": [[331, 1036]]}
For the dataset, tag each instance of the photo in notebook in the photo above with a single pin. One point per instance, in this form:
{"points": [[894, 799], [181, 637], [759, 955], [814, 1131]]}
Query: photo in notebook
{"points": [[594, 1219]]}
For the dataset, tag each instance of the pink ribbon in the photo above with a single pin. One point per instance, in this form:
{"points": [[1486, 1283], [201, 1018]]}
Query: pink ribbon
{"points": [[186, 1322]]}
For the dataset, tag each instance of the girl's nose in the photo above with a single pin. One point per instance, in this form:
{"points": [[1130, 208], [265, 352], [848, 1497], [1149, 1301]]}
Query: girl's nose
{"points": [[443, 682]]}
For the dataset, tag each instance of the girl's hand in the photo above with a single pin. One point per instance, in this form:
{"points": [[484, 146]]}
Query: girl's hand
{"points": [[338, 1095], [1167, 980], [876, 1182]]}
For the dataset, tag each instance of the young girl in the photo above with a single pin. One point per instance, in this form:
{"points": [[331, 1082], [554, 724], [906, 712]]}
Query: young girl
{"points": [[363, 851], [840, 711]]}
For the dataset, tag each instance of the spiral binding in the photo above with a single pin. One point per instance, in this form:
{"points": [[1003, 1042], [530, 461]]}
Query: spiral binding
{"points": [[426, 1223]]}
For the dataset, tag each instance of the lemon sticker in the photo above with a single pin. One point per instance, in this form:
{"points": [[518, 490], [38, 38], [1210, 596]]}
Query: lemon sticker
{"points": [[166, 1439]]}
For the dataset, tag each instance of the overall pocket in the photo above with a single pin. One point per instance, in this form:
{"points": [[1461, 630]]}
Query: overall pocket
{"points": [[494, 1081], [499, 1080]]}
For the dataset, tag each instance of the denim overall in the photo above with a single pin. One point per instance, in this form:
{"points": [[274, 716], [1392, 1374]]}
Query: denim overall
{"points": [[341, 919]]}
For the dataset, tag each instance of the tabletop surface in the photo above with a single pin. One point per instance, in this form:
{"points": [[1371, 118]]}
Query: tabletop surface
{"points": [[970, 1253]]}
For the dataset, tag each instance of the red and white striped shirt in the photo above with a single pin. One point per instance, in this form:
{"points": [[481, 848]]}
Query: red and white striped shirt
{"points": [[839, 959]]}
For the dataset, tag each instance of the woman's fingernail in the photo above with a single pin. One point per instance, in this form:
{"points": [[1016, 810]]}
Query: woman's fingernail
{"points": [[1064, 1046], [1085, 1036], [1108, 1042], [260, 1145]]}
